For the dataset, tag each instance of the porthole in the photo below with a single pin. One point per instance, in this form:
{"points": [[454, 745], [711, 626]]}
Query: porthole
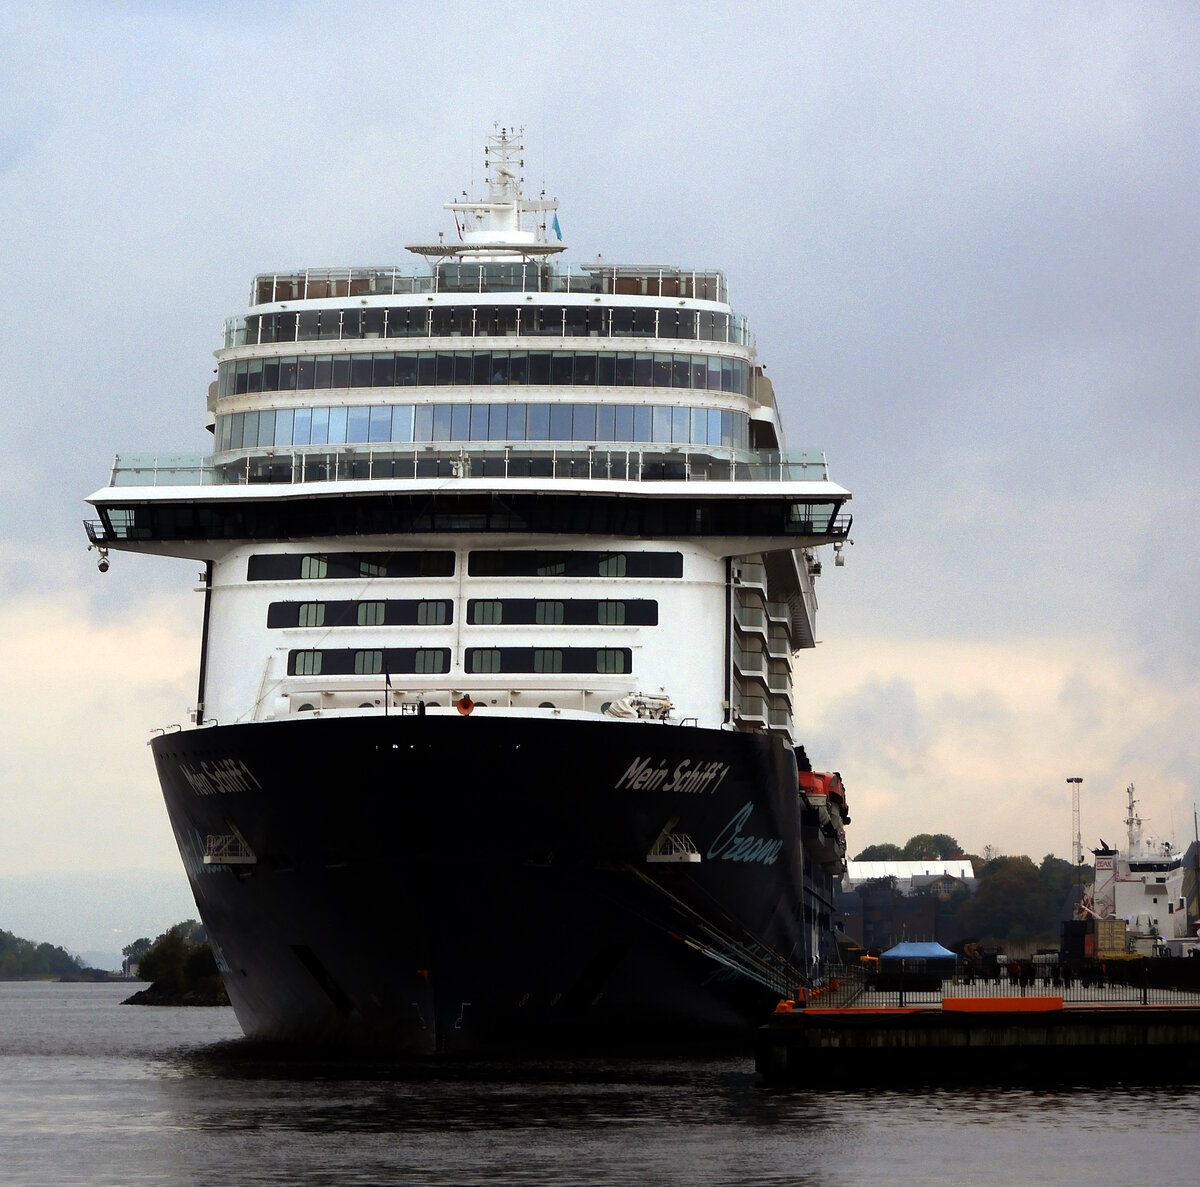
{"points": [[547, 705], [606, 706], [306, 708]]}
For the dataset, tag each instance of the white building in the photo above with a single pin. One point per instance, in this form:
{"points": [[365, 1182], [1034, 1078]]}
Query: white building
{"points": [[913, 877]]}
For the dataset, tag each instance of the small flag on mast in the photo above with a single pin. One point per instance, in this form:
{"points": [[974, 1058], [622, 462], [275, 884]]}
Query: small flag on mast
{"points": [[557, 228]]}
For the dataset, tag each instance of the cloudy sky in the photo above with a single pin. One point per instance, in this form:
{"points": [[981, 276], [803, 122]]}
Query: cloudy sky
{"points": [[966, 238]]}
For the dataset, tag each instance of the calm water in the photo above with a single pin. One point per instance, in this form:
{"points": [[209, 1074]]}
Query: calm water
{"points": [[95, 1092]]}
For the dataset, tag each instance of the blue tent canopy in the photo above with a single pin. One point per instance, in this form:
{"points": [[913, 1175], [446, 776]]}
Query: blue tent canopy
{"points": [[918, 950]]}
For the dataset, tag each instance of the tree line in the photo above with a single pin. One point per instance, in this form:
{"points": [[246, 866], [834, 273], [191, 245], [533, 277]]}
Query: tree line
{"points": [[1015, 899], [25, 960]]}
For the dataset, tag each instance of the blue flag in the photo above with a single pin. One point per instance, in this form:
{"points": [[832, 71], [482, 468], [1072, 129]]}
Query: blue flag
{"points": [[557, 228]]}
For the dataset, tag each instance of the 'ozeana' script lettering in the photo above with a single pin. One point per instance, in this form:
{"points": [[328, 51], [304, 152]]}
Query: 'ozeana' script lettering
{"points": [[734, 845], [688, 777], [219, 776]]}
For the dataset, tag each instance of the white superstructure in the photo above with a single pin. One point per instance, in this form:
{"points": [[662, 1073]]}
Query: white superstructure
{"points": [[1143, 886], [492, 481]]}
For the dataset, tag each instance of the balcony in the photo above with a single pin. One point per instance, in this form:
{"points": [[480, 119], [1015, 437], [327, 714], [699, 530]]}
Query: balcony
{"points": [[350, 463], [779, 612], [779, 646], [750, 663], [750, 573], [751, 709], [750, 619], [779, 679]]}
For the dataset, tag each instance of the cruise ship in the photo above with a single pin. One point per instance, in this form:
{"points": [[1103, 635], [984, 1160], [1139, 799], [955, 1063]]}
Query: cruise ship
{"points": [[505, 567]]}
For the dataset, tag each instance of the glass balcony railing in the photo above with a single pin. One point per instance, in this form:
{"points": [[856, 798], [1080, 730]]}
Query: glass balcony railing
{"points": [[751, 573], [497, 276], [779, 646], [750, 663], [779, 678], [362, 463], [752, 708], [750, 618]]}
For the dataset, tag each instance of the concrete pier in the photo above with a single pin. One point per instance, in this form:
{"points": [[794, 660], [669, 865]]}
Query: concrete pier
{"points": [[1027, 1040]]}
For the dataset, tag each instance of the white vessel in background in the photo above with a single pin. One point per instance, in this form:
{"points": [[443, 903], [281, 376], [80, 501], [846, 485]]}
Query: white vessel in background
{"points": [[1143, 886]]}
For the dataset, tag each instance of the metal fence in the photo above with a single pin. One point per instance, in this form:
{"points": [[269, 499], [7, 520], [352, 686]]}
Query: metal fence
{"points": [[1148, 983]]}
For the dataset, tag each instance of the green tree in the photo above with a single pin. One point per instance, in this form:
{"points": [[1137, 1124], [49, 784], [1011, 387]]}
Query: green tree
{"points": [[24, 959], [164, 960], [180, 959], [1006, 903], [884, 852], [135, 951], [931, 847]]}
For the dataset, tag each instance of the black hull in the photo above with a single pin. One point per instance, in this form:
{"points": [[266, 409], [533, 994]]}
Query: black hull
{"points": [[449, 882]]}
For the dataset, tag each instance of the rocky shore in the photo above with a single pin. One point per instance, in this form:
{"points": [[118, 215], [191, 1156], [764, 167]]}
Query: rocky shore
{"points": [[209, 992]]}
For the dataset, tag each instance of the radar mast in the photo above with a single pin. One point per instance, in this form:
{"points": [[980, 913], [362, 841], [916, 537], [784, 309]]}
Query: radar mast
{"points": [[498, 227]]}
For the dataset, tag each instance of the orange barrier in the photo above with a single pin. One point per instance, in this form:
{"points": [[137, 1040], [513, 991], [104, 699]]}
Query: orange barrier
{"points": [[1001, 1005]]}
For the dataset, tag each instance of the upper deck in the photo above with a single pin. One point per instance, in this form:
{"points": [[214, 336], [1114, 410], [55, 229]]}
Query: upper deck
{"points": [[283, 304], [525, 277], [502, 249]]}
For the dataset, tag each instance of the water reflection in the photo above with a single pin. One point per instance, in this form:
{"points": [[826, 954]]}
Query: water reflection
{"points": [[94, 1092]]}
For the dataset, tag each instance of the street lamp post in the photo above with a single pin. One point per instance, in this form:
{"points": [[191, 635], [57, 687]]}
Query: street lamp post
{"points": [[1076, 782]]}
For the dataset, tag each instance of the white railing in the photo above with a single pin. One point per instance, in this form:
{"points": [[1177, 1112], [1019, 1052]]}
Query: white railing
{"points": [[227, 850]]}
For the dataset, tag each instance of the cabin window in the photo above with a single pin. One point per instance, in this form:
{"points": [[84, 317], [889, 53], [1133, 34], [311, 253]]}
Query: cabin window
{"points": [[431, 613], [547, 659], [487, 613], [311, 614], [610, 613], [430, 661], [368, 663], [370, 613], [313, 568], [548, 613], [306, 663], [610, 659], [560, 422], [517, 421], [482, 659], [358, 421]]}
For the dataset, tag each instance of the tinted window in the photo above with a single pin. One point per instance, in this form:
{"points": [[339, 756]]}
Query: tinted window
{"points": [[538, 563]]}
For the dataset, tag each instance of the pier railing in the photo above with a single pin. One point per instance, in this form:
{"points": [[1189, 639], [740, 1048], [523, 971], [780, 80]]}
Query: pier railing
{"points": [[1147, 983]]}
